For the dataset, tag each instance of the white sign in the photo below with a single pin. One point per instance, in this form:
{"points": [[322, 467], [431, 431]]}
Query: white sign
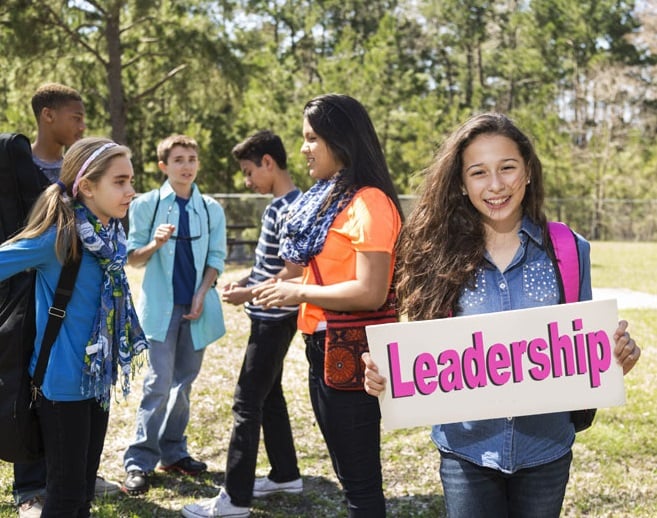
{"points": [[511, 363]]}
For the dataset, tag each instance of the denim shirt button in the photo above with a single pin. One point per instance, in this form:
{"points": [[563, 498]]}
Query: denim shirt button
{"points": [[509, 418], [502, 286]]}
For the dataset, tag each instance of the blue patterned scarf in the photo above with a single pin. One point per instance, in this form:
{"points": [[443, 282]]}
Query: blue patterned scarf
{"points": [[308, 221], [117, 337]]}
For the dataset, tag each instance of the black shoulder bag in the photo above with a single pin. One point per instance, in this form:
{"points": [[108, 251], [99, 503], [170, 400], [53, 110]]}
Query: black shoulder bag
{"points": [[20, 434]]}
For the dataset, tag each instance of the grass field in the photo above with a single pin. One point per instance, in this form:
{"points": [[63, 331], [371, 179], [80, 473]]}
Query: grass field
{"points": [[614, 473]]}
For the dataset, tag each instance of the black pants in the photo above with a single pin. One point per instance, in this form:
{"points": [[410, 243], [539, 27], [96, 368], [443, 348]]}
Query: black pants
{"points": [[259, 401], [351, 425], [29, 480], [73, 436]]}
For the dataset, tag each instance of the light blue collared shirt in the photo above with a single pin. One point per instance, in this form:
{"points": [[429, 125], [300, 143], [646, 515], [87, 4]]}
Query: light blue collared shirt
{"points": [[156, 302], [513, 443]]}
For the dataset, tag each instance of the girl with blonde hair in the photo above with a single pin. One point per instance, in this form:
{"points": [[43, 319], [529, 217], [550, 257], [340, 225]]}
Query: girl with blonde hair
{"points": [[79, 217]]}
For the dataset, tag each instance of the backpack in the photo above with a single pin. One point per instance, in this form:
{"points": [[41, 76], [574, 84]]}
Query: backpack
{"points": [[20, 432], [566, 263], [21, 183]]}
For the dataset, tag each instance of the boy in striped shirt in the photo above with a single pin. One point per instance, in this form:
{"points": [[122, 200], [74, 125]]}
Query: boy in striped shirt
{"points": [[259, 399]]}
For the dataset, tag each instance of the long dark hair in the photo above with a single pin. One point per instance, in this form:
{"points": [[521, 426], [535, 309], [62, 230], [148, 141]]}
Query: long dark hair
{"points": [[347, 129], [443, 241]]}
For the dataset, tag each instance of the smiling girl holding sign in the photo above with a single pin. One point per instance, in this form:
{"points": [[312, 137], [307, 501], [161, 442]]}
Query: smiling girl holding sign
{"points": [[477, 242]]}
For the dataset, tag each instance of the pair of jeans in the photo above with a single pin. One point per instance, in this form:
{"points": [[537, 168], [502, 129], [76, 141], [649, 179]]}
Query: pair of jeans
{"points": [[259, 401], [73, 437], [163, 413], [474, 491], [350, 422], [29, 480]]}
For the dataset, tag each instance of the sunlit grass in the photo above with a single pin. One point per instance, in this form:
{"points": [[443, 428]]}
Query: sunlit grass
{"points": [[624, 265]]}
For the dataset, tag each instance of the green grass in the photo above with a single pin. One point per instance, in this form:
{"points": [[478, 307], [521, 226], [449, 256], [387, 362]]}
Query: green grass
{"points": [[624, 265], [614, 472]]}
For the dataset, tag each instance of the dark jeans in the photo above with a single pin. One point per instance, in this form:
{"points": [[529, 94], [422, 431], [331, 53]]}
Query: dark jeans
{"points": [[472, 491], [73, 437], [259, 401], [29, 480], [350, 422]]}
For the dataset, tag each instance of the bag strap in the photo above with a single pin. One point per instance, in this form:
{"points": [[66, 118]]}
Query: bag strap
{"points": [[318, 278], [12, 157], [157, 205], [10, 162], [315, 268], [566, 253], [56, 314]]}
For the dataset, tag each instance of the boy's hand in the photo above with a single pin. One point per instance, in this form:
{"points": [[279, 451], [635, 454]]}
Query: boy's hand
{"points": [[236, 294], [196, 309], [142, 255], [163, 233]]}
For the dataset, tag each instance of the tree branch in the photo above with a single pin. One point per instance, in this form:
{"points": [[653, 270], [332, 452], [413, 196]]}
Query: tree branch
{"points": [[59, 22], [155, 86]]}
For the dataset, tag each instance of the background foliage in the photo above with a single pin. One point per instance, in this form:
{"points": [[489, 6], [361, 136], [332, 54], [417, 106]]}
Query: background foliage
{"points": [[577, 75]]}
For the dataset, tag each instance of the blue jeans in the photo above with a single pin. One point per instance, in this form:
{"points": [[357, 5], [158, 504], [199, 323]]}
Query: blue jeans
{"points": [[259, 401], [163, 413], [29, 480], [473, 491], [350, 422], [73, 437]]}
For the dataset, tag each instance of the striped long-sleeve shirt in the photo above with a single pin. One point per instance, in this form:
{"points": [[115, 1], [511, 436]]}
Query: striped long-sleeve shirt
{"points": [[267, 262]]}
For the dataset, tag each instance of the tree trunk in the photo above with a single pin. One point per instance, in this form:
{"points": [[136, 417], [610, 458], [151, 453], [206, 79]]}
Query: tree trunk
{"points": [[117, 108]]}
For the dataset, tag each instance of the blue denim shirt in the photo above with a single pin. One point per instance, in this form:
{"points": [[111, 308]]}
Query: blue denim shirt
{"points": [[513, 443], [155, 305]]}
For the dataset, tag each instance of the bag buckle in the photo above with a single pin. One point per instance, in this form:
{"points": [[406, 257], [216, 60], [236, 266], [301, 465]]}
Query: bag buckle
{"points": [[35, 393], [56, 312]]}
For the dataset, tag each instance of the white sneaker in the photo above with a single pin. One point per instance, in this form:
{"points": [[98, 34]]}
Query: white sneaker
{"points": [[31, 508], [220, 505], [264, 486]]}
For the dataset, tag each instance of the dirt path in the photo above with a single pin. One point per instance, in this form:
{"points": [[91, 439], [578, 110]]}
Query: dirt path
{"points": [[627, 299]]}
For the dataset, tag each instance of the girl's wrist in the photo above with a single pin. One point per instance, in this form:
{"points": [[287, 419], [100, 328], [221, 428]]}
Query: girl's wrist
{"points": [[301, 293]]}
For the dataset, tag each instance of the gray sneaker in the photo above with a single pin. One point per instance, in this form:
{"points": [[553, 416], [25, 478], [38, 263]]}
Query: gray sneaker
{"points": [[106, 487], [264, 486]]}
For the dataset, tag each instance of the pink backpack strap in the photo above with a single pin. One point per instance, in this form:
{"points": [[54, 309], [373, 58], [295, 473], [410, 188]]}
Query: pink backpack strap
{"points": [[564, 244]]}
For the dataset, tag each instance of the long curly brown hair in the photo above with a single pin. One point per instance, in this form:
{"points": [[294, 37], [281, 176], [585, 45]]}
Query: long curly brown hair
{"points": [[443, 241]]}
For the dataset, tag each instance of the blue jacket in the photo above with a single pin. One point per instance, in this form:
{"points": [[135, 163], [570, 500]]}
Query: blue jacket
{"points": [[156, 301], [63, 379], [512, 443]]}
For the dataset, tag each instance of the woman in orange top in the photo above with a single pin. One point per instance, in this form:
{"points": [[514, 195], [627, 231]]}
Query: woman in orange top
{"points": [[348, 223]]}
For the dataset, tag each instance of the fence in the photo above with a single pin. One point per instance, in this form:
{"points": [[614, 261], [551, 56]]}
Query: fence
{"points": [[607, 219], [604, 220], [600, 220]]}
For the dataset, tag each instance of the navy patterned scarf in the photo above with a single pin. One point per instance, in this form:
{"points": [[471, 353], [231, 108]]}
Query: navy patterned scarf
{"points": [[117, 337], [309, 219]]}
